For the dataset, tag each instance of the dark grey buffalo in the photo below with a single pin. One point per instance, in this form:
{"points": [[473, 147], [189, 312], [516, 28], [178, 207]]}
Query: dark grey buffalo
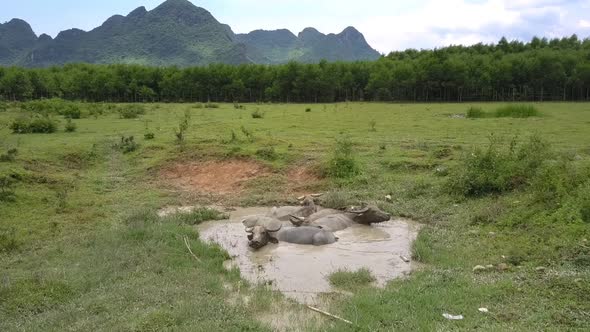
{"points": [[263, 230], [284, 213], [334, 220]]}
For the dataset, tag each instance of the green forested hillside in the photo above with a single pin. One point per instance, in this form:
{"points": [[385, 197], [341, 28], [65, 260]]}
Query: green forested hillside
{"points": [[175, 33]]}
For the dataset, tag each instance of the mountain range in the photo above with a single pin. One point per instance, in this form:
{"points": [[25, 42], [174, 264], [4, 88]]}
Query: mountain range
{"points": [[175, 33]]}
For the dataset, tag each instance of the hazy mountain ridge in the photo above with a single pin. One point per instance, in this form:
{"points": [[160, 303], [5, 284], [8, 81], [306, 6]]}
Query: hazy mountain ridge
{"points": [[175, 33]]}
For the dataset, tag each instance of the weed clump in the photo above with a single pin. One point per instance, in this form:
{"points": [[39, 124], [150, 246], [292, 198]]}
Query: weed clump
{"points": [[257, 114], [267, 153], [149, 136], [127, 144], [509, 111], [7, 184], [211, 105], [70, 126], [308, 110], [498, 169], [9, 156], [346, 280], [131, 111], [517, 111], [343, 164], [476, 113], [182, 128]]}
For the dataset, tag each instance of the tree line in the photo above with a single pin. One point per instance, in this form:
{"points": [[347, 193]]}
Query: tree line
{"points": [[540, 70]]}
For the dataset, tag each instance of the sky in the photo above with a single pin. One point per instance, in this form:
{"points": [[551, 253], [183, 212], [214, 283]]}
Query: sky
{"points": [[388, 25]]}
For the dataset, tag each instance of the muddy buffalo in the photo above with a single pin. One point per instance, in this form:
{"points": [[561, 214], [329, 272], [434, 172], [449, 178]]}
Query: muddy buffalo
{"points": [[335, 220], [263, 230]]}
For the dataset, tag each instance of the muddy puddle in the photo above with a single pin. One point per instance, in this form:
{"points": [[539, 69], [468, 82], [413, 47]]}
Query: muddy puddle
{"points": [[301, 272]]}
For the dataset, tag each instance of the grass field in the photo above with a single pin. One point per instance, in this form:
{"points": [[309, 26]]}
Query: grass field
{"points": [[81, 248]]}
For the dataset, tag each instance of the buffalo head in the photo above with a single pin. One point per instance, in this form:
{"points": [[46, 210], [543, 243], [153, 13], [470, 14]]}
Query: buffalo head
{"points": [[369, 215], [261, 231]]}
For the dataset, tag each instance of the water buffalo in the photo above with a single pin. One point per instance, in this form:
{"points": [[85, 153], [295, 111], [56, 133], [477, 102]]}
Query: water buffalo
{"points": [[265, 230], [334, 220], [284, 213]]}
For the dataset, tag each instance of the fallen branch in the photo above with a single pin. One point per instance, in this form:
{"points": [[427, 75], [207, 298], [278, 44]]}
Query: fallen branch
{"points": [[190, 250], [330, 315]]}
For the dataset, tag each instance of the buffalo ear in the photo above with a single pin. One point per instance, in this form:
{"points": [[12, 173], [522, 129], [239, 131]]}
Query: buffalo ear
{"points": [[273, 240], [250, 237], [250, 221]]}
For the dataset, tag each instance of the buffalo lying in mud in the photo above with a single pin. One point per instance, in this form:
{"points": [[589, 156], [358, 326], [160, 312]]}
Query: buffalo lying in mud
{"points": [[314, 229]]}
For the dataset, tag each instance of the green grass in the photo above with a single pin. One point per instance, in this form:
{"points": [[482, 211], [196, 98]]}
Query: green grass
{"points": [[351, 280], [507, 111], [81, 248]]}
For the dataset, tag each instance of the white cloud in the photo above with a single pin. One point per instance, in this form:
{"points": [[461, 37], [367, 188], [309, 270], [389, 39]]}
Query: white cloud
{"points": [[585, 24]]}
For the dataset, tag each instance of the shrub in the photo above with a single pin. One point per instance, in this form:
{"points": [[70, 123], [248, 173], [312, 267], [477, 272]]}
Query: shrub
{"points": [[476, 113], [9, 156], [497, 169], [3, 106], [517, 111], [183, 127], [149, 136], [343, 164], [257, 114], [267, 153], [71, 111], [70, 126], [95, 110], [308, 110], [127, 144], [238, 106], [37, 125], [131, 111]]}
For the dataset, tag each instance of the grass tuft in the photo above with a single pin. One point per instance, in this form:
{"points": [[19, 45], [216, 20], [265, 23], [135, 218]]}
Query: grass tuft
{"points": [[350, 280]]}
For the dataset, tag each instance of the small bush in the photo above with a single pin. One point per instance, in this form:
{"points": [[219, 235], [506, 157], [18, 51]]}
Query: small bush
{"points": [[257, 114], [499, 169], [149, 136], [476, 113], [343, 165], [267, 153], [131, 111], [239, 107], [71, 111], [198, 106], [9, 156], [35, 125], [517, 111], [3, 106], [183, 127], [308, 110], [210, 105], [127, 144], [346, 280], [70, 126]]}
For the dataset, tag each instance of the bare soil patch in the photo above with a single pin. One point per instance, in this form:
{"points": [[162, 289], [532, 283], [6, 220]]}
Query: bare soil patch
{"points": [[218, 177], [303, 180]]}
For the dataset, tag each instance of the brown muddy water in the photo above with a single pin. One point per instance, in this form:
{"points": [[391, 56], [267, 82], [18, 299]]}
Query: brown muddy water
{"points": [[301, 272]]}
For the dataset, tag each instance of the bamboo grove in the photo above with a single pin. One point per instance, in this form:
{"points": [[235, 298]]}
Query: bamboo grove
{"points": [[541, 70]]}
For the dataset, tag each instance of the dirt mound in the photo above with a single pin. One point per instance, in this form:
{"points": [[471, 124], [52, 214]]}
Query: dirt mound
{"points": [[213, 177]]}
